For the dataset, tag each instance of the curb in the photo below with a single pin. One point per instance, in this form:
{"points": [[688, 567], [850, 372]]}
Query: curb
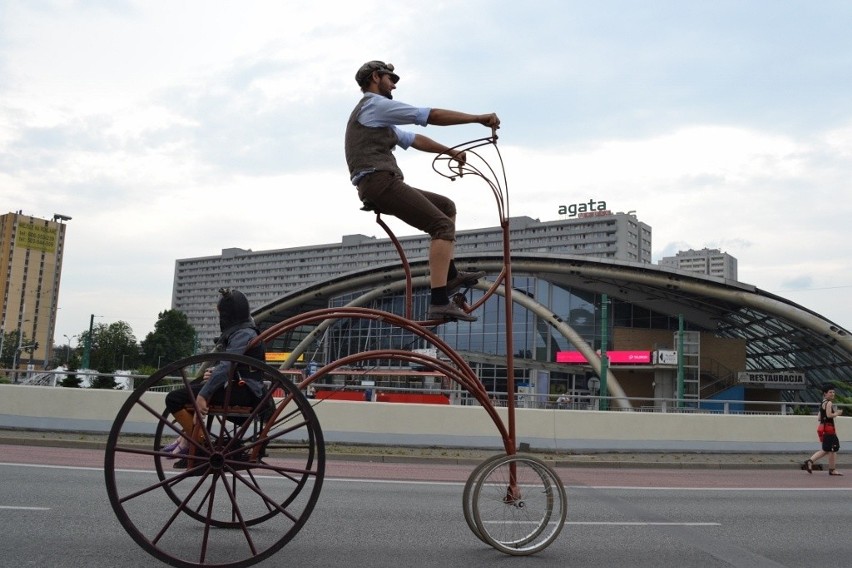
{"points": [[684, 460]]}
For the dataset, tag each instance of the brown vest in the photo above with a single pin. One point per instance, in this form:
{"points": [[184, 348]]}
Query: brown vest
{"points": [[369, 148]]}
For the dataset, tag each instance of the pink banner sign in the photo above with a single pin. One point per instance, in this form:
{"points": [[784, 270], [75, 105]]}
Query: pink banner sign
{"points": [[618, 357]]}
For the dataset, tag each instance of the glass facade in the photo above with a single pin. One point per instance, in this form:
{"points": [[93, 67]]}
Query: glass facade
{"points": [[483, 342]]}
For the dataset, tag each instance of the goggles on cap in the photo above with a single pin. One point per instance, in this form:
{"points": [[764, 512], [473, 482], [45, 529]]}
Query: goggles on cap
{"points": [[368, 68]]}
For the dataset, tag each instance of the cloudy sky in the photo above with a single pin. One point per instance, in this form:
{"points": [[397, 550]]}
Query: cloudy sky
{"points": [[174, 129]]}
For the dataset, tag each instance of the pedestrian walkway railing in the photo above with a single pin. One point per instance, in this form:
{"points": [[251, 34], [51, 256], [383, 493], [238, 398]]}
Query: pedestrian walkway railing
{"points": [[577, 401]]}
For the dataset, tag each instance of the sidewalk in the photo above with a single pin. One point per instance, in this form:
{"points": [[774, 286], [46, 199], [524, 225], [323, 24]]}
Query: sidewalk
{"points": [[388, 454]]}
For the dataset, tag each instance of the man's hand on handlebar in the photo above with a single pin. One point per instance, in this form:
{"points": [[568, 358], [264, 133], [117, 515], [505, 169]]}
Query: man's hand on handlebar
{"points": [[489, 120], [460, 157]]}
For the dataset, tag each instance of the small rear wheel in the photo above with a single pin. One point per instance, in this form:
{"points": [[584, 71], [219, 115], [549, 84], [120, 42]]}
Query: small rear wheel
{"points": [[467, 495], [519, 504]]}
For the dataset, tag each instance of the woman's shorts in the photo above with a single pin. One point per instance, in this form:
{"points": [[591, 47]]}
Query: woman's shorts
{"points": [[830, 443]]}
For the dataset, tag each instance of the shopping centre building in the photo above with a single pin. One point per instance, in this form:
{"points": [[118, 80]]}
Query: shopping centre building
{"points": [[579, 284]]}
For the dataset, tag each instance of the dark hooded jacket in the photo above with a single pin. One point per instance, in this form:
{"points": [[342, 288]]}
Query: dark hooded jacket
{"points": [[238, 330]]}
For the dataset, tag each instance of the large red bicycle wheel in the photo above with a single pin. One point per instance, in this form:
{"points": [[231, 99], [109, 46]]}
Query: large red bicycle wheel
{"points": [[257, 475]]}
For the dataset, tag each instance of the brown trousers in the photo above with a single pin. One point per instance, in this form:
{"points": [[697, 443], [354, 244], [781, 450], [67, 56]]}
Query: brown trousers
{"points": [[430, 212]]}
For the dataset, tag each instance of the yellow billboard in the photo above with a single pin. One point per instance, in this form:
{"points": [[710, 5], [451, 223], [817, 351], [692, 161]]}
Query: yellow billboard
{"points": [[36, 238]]}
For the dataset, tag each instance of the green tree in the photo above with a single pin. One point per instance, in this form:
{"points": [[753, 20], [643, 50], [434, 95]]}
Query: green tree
{"points": [[61, 354], [71, 379], [173, 338], [10, 345], [103, 382], [844, 402], [112, 346]]}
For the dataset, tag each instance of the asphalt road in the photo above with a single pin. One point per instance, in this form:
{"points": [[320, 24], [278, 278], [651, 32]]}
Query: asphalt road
{"points": [[54, 512]]}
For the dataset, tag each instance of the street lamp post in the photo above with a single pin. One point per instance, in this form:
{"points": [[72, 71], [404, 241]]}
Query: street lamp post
{"points": [[68, 353], [87, 350], [18, 350], [15, 358]]}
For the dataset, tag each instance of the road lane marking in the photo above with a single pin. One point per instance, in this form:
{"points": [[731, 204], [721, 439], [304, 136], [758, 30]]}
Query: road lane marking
{"points": [[333, 479], [728, 488], [642, 524]]}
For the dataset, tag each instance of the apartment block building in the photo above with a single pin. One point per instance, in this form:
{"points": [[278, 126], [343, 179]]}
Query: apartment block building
{"points": [[31, 250], [267, 275], [711, 262]]}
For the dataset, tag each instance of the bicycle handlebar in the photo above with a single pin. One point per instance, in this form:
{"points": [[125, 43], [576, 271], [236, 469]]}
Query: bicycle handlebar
{"points": [[476, 164]]}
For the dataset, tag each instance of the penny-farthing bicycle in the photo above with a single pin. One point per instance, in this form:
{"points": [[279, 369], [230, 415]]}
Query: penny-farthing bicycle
{"points": [[254, 474]]}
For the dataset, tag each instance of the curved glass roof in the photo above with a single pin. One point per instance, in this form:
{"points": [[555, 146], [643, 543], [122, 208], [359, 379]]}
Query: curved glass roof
{"points": [[780, 334]]}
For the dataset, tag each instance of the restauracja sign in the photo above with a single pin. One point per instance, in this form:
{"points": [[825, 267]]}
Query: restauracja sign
{"points": [[576, 209]]}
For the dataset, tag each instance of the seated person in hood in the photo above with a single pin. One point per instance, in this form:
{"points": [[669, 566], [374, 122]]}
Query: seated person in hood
{"points": [[238, 330]]}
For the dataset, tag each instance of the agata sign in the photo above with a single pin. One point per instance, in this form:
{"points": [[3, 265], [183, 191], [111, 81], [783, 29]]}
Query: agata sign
{"points": [[578, 209]]}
